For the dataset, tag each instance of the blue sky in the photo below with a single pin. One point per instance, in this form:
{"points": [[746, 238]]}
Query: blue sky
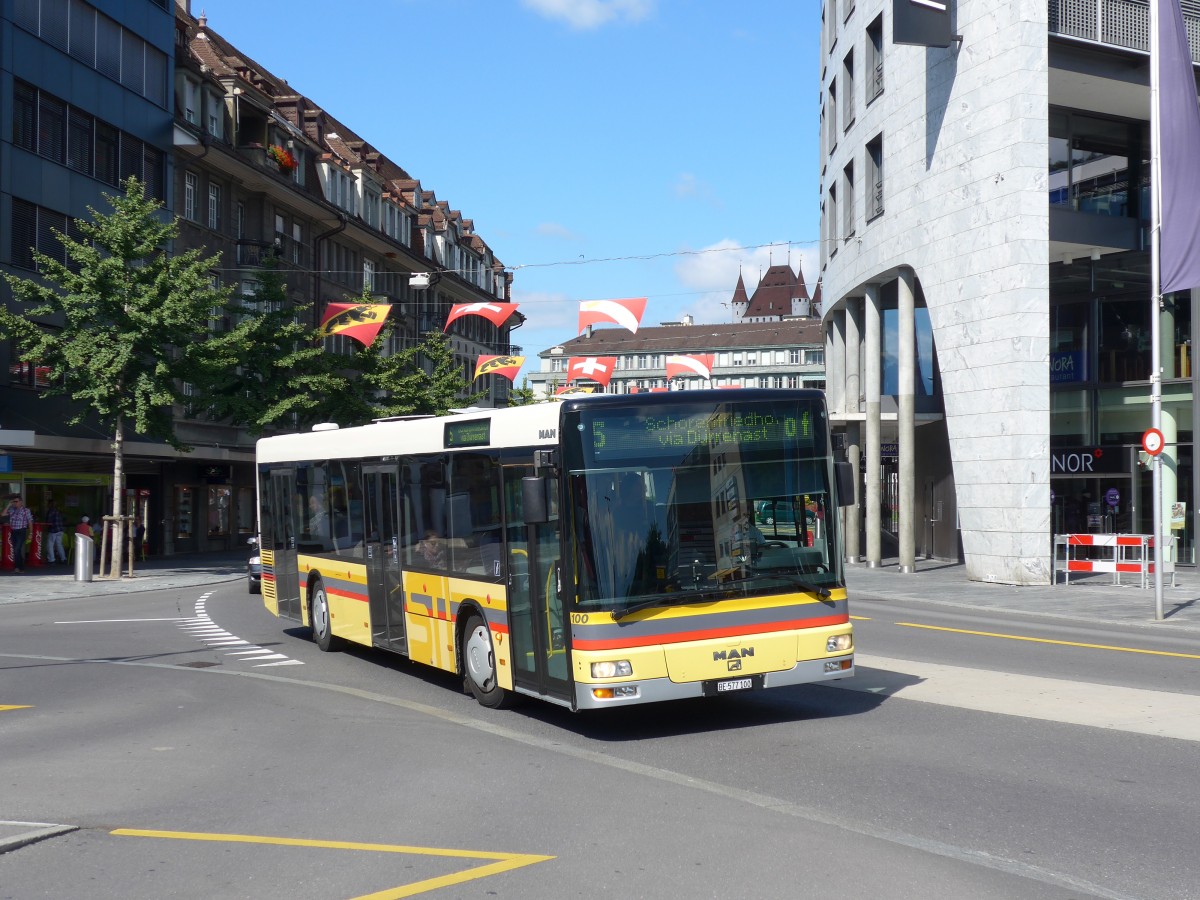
{"points": [[578, 131]]}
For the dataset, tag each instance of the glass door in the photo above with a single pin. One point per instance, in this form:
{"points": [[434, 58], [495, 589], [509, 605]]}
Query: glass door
{"points": [[385, 594], [538, 633], [281, 510]]}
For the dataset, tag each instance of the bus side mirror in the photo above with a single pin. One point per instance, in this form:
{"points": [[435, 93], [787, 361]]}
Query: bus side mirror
{"points": [[844, 473], [533, 497]]}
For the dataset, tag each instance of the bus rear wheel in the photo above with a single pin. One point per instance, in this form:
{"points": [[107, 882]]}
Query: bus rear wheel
{"points": [[318, 614], [479, 665]]}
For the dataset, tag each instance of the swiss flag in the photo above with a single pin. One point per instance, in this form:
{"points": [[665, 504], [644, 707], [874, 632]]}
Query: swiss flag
{"points": [[591, 368], [626, 313], [496, 313], [683, 366]]}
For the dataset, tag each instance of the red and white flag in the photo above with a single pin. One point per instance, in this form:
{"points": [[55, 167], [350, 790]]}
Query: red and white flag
{"points": [[496, 313], [591, 368], [626, 313], [685, 366]]}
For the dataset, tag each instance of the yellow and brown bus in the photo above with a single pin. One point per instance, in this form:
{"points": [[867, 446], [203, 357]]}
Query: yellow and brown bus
{"points": [[594, 552]]}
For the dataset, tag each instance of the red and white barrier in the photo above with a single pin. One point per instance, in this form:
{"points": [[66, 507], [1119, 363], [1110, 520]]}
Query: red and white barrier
{"points": [[1124, 554]]}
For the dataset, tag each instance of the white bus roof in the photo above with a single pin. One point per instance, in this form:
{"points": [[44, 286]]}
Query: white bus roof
{"points": [[519, 426]]}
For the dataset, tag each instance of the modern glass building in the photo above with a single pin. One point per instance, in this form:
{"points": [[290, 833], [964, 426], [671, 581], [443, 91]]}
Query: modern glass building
{"points": [[985, 215]]}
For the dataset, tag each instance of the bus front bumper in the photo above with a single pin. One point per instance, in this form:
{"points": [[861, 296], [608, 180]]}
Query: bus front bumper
{"points": [[652, 690]]}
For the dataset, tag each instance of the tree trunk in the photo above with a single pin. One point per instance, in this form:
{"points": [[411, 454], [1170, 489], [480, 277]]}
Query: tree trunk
{"points": [[118, 524]]}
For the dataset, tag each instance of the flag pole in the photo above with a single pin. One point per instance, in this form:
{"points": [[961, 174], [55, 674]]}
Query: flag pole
{"points": [[1156, 301]]}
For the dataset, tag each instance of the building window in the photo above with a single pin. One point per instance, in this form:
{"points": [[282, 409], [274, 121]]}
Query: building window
{"points": [[874, 76], [190, 189], [815, 357], [214, 115], [79, 141], [52, 128], [25, 116], [833, 114], [848, 202], [214, 206], [191, 101], [108, 146], [873, 183], [848, 91], [831, 217], [369, 277], [297, 239]]}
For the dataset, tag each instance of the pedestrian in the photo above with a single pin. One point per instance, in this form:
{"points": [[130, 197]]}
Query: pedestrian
{"points": [[84, 527], [54, 528], [19, 520]]}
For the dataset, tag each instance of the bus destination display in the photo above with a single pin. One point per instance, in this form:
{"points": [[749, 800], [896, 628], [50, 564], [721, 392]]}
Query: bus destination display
{"points": [[476, 433], [744, 427]]}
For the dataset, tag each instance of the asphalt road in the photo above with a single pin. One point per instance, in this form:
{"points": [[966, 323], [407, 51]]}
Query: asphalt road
{"points": [[201, 748]]}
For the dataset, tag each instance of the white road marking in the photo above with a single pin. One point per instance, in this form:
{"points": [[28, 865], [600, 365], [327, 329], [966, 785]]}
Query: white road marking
{"points": [[203, 628], [1138, 711]]}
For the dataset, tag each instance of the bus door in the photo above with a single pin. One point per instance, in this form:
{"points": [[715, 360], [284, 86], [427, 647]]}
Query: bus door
{"points": [[385, 593], [537, 631], [282, 543]]}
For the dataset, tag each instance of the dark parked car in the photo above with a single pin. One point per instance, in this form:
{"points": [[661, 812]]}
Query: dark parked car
{"points": [[254, 569]]}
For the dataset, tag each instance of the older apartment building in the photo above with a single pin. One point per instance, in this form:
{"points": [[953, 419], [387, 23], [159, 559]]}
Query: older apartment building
{"points": [[96, 90], [771, 342]]}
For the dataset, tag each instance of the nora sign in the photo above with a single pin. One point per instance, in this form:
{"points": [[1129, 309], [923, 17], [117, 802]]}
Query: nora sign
{"points": [[1087, 461]]}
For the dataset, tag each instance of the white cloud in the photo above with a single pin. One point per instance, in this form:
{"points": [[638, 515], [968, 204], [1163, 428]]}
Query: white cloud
{"points": [[556, 230], [583, 15], [689, 187], [713, 274]]}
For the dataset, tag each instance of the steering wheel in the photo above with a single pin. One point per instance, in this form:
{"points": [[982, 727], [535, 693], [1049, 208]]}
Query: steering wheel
{"points": [[778, 545]]}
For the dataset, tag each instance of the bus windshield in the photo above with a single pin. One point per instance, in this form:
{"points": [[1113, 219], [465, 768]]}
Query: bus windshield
{"points": [[699, 504]]}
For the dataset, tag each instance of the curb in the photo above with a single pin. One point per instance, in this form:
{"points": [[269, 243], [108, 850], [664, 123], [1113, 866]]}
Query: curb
{"points": [[40, 831]]}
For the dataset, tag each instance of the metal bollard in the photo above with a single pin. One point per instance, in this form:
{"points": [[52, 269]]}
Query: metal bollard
{"points": [[83, 557]]}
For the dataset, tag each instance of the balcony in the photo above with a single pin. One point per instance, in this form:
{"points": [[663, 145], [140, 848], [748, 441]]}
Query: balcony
{"points": [[1118, 23]]}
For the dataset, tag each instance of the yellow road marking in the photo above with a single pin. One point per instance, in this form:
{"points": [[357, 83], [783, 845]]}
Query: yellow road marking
{"points": [[5, 708], [504, 862], [860, 618], [1021, 637]]}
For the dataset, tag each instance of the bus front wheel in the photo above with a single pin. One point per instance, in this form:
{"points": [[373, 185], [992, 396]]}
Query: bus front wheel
{"points": [[322, 626], [479, 665]]}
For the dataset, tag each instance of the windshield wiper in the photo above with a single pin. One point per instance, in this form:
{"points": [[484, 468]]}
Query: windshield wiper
{"points": [[822, 592], [620, 612]]}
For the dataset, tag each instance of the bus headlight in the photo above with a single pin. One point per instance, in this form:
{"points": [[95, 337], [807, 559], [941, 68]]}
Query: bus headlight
{"points": [[617, 669], [839, 643]]}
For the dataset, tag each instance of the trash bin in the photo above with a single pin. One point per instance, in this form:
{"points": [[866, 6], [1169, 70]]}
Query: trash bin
{"points": [[83, 557]]}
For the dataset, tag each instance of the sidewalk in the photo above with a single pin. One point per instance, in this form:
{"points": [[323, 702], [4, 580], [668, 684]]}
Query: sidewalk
{"points": [[1091, 598], [156, 573]]}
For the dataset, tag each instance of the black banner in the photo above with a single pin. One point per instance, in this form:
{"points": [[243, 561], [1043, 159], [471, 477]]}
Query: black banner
{"points": [[924, 23]]}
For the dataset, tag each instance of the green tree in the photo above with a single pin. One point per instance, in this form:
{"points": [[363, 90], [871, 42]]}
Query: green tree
{"points": [[279, 367], [523, 395], [380, 380], [122, 326]]}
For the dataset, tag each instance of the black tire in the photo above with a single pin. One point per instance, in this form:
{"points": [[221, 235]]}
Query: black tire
{"points": [[479, 665], [318, 615], [254, 587]]}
